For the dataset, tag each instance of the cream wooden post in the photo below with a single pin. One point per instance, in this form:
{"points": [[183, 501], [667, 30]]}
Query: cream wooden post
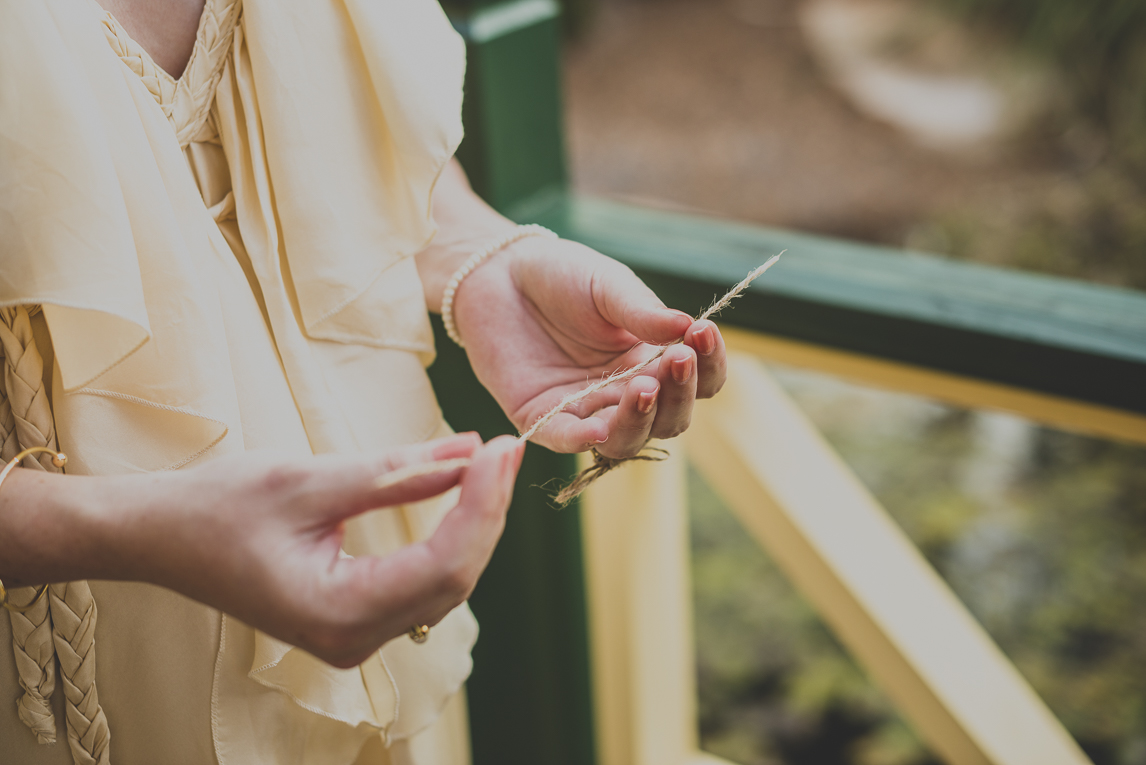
{"points": [[640, 610], [867, 580]]}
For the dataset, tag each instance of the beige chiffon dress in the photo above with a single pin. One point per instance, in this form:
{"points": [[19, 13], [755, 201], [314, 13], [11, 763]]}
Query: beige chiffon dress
{"points": [[197, 267]]}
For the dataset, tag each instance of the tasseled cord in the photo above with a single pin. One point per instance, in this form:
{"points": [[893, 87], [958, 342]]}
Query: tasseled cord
{"points": [[62, 626]]}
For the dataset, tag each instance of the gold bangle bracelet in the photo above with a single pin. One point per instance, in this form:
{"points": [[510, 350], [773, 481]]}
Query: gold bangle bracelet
{"points": [[59, 459]]}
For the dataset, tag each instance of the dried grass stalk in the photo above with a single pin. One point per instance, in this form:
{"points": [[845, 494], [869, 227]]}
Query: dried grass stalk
{"points": [[601, 464]]}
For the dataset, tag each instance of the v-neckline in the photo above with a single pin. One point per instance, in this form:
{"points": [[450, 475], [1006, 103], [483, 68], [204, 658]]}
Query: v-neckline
{"points": [[195, 48], [185, 101]]}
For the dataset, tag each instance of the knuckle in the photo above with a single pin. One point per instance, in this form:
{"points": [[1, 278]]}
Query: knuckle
{"points": [[333, 633], [329, 641], [457, 584], [283, 477], [623, 453], [672, 430], [630, 429], [349, 661]]}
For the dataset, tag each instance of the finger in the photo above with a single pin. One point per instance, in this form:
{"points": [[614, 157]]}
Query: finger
{"points": [[595, 402], [372, 600], [464, 541], [677, 376], [711, 357], [355, 480], [368, 600], [625, 301], [634, 417], [568, 433], [433, 576]]}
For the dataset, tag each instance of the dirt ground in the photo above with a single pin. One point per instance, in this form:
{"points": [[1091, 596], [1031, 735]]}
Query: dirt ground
{"points": [[719, 106]]}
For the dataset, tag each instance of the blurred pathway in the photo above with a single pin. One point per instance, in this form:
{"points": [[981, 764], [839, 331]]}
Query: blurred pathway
{"points": [[718, 105]]}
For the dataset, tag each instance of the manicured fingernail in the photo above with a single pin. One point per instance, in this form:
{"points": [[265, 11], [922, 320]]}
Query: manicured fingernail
{"points": [[601, 441], [646, 401], [682, 313], [682, 370], [456, 445], [706, 341]]}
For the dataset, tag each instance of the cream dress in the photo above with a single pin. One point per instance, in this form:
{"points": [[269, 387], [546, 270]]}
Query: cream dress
{"points": [[224, 263]]}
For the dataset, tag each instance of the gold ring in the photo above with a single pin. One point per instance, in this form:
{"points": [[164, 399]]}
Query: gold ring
{"points": [[419, 634]]}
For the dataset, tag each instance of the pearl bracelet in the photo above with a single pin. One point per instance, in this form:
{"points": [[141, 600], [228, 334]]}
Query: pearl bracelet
{"points": [[475, 260]]}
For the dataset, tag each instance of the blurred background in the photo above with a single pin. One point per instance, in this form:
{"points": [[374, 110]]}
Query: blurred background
{"points": [[1011, 132]]}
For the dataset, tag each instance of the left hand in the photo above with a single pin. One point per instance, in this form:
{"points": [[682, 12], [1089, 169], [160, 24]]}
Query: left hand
{"points": [[544, 318]]}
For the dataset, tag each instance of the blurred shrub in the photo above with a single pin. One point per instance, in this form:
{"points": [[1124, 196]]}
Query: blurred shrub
{"points": [[1041, 533], [1099, 49], [1082, 213]]}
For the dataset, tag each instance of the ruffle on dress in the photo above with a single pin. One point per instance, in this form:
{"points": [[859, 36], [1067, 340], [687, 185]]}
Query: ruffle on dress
{"points": [[335, 118]]}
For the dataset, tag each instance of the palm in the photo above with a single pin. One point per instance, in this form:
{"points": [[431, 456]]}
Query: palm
{"points": [[545, 320]]}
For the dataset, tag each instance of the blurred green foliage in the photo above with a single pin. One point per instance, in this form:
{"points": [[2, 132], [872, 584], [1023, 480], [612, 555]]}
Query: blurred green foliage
{"points": [[1041, 533], [1086, 216], [1098, 49], [774, 685]]}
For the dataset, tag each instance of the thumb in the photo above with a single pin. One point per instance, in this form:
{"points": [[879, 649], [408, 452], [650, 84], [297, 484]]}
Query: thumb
{"points": [[627, 302]]}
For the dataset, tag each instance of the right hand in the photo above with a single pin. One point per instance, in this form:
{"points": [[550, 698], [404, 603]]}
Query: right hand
{"points": [[258, 536]]}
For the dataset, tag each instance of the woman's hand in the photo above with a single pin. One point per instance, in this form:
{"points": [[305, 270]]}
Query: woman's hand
{"points": [[544, 318], [259, 537]]}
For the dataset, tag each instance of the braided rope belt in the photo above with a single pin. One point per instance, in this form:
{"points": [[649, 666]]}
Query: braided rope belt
{"points": [[62, 626]]}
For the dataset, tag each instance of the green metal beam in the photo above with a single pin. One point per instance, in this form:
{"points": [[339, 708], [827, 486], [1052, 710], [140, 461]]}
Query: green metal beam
{"points": [[1066, 338], [513, 147], [529, 696]]}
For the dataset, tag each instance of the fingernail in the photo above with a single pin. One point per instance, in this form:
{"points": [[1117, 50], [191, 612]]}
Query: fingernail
{"points": [[706, 341], [600, 441], [682, 370], [682, 313], [457, 445], [646, 401]]}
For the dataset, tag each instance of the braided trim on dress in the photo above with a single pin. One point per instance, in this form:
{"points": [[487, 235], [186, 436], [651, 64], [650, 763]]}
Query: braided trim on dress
{"points": [[25, 414], [73, 627], [67, 629], [185, 102]]}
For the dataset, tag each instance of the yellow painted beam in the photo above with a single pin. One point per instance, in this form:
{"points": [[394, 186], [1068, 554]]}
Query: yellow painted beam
{"points": [[867, 580], [635, 531], [962, 391]]}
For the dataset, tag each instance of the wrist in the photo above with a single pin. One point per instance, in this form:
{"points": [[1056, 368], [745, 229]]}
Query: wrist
{"points": [[491, 250], [121, 516], [51, 528], [449, 251]]}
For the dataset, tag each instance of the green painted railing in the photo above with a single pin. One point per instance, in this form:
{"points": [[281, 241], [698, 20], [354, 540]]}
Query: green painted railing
{"points": [[529, 696], [1040, 333], [530, 699]]}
